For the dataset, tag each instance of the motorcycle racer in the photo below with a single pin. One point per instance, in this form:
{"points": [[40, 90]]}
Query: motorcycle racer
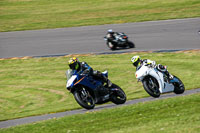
{"points": [[84, 68], [137, 62], [110, 35], [116, 40]]}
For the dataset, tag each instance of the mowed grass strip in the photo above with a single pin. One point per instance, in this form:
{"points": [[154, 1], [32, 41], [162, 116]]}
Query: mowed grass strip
{"points": [[37, 86], [42, 14], [180, 115]]}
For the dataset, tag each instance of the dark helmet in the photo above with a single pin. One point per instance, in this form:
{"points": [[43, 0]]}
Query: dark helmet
{"points": [[74, 63], [135, 60]]}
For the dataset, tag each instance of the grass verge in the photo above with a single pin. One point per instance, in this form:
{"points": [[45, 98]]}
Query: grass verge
{"points": [[37, 85], [42, 14], [180, 115]]}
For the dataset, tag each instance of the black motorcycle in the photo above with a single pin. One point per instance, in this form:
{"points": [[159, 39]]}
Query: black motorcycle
{"points": [[121, 40], [88, 91]]}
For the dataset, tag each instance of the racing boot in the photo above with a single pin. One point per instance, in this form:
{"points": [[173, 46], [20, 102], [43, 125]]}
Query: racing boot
{"points": [[169, 76], [102, 77], [107, 81]]}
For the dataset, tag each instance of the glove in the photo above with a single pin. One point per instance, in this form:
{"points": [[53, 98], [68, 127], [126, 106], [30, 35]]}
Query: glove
{"points": [[149, 65]]}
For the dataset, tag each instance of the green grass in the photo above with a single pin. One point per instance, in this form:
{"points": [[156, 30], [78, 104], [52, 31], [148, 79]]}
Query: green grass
{"points": [[177, 115], [37, 85], [42, 14]]}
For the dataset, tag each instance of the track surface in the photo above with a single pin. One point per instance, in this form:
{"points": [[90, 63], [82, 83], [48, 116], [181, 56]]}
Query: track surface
{"points": [[9, 123], [153, 35]]}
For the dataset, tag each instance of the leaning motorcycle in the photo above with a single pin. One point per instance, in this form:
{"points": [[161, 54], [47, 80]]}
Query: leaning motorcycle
{"points": [[88, 91], [156, 82], [121, 40]]}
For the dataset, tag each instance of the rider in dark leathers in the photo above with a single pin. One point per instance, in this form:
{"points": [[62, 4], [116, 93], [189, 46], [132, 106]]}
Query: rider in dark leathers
{"points": [[111, 36], [84, 68]]}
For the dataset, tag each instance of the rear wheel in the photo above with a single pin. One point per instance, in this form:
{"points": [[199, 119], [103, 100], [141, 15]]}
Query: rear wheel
{"points": [[118, 96], [179, 87], [151, 86], [131, 44], [84, 98]]}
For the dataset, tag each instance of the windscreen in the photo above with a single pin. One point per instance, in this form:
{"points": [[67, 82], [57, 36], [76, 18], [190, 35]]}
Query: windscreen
{"points": [[69, 73]]}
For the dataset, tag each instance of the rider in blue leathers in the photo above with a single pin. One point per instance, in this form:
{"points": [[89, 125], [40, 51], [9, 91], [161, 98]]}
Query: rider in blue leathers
{"points": [[84, 68]]}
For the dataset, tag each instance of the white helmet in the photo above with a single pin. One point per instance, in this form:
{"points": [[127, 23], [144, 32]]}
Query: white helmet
{"points": [[135, 60], [110, 31]]}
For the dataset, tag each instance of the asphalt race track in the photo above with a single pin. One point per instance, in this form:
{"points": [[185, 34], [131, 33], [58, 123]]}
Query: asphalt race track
{"points": [[15, 122], [175, 34]]}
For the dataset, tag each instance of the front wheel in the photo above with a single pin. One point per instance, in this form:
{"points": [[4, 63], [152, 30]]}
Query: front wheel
{"points": [[84, 98], [118, 96], [179, 87], [151, 86]]}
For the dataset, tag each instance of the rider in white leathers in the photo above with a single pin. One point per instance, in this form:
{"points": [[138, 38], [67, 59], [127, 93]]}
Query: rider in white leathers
{"points": [[137, 62]]}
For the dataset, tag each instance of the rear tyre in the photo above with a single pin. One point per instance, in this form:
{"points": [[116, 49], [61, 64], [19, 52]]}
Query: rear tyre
{"points": [[179, 87], [118, 96], [151, 86], [131, 44], [84, 99]]}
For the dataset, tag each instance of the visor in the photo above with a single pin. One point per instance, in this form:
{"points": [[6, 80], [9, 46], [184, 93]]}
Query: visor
{"points": [[74, 66], [136, 63]]}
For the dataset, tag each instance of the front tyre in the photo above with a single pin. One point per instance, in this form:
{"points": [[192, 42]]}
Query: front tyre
{"points": [[118, 96], [151, 86], [179, 87], [84, 98]]}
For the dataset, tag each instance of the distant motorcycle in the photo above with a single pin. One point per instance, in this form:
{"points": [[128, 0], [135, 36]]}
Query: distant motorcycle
{"points": [[156, 82], [121, 40], [88, 91]]}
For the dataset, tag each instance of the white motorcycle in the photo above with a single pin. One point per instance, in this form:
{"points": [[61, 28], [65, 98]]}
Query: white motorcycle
{"points": [[156, 82]]}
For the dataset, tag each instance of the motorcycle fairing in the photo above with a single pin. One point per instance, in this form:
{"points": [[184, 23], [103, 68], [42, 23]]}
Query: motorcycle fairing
{"points": [[90, 83], [174, 80], [120, 40], [163, 86], [143, 71], [71, 81], [76, 79]]}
